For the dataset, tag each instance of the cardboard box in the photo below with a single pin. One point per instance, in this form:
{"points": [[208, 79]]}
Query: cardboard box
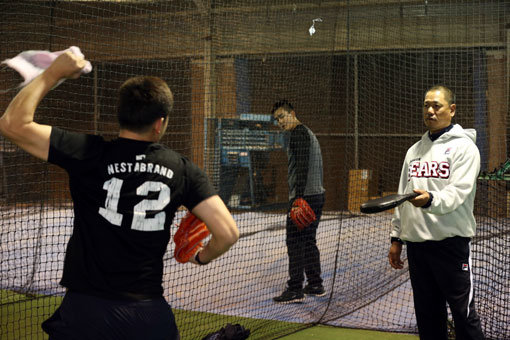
{"points": [[363, 184], [508, 204]]}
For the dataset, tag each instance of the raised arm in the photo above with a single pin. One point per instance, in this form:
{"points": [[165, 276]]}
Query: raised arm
{"points": [[17, 123], [220, 223]]}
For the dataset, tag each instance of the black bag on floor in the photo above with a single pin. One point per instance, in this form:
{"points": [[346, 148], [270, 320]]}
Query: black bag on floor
{"points": [[229, 332]]}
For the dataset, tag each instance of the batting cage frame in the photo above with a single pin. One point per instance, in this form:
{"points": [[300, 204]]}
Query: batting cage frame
{"points": [[356, 73]]}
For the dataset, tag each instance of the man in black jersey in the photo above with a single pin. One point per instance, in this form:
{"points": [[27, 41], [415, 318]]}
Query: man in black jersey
{"points": [[305, 182], [125, 194]]}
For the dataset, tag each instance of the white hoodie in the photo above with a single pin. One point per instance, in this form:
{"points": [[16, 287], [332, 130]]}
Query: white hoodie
{"points": [[447, 168]]}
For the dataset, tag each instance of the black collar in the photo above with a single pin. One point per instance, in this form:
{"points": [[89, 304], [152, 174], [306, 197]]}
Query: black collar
{"points": [[434, 136]]}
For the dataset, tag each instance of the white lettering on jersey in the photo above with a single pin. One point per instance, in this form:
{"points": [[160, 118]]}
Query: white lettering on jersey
{"points": [[444, 170], [109, 212], [424, 171], [430, 169], [126, 167], [163, 171], [169, 173], [433, 169], [140, 220], [413, 168]]}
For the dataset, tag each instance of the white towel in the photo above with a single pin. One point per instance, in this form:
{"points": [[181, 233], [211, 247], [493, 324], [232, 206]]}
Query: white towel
{"points": [[32, 63]]}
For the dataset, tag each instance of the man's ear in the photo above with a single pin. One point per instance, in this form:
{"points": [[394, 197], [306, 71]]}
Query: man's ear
{"points": [[158, 125], [452, 110]]}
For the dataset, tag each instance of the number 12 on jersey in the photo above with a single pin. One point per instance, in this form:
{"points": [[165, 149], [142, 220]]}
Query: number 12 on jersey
{"points": [[140, 221]]}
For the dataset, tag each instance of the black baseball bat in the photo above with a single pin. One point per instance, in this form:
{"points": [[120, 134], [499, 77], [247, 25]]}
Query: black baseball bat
{"points": [[386, 202]]}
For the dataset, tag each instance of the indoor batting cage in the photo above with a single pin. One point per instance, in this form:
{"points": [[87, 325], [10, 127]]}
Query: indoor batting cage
{"points": [[355, 72]]}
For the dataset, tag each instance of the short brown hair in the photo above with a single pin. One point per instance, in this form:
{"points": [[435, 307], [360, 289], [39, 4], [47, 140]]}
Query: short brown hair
{"points": [[143, 100]]}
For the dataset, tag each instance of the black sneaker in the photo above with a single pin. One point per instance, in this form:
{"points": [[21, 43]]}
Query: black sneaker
{"points": [[314, 290], [290, 296]]}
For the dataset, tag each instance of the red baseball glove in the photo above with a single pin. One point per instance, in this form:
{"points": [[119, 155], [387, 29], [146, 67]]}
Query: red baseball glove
{"points": [[301, 214], [188, 238]]}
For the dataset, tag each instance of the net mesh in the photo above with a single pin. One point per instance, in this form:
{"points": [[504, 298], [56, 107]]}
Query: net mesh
{"points": [[356, 72]]}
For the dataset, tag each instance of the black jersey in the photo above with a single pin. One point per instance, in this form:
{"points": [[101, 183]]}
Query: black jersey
{"points": [[125, 195]]}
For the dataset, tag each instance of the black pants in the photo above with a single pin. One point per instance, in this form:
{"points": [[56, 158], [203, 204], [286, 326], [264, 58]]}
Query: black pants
{"points": [[81, 317], [440, 272], [302, 248]]}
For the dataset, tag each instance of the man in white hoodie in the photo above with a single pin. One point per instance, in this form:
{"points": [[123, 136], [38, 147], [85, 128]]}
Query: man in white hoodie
{"points": [[437, 226]]}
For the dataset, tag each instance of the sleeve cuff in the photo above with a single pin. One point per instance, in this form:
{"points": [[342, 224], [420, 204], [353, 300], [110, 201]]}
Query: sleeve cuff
{"points": [[396, 239], [197, 258], [429, 203]]}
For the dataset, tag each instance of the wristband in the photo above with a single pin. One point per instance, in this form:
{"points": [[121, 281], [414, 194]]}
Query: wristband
{"points": [[396, 239], [197, 259], [429, 202]]}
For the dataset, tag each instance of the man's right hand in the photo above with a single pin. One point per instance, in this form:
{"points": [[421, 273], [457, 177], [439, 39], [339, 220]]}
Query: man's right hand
{"points": [[67, 66], [394, 255]]}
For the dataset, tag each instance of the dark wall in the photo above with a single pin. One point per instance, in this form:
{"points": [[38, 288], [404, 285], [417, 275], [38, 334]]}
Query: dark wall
{"points": [[383, 115], [387, 106]]}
